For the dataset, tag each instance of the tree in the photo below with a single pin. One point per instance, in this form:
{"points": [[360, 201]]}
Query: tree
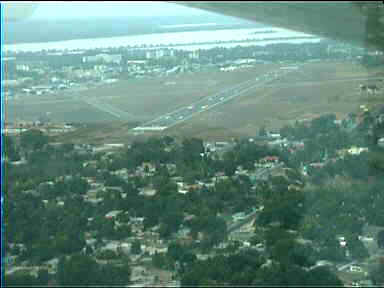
{"points": [[215, 229], [191, 150], [322, 276], [43, 277], [357, 248], [173, 220], [161, 261], [175, 251], [115, 275], [33, 139], [380, 239], [136, 247], [282, 250], [67, 243], [377, 274], [263, 132], [79, 270], [275, 234], [10, 149], [21, 279]]}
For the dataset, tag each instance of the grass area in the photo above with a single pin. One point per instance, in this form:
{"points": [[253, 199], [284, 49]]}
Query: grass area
{"points": [[99, 133], [348, 277], [143, 98], [275, 107], [74, 111], [154, 97], [270, 106]]}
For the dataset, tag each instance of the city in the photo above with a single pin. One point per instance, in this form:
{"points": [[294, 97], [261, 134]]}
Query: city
{"points": [[233, 164]]}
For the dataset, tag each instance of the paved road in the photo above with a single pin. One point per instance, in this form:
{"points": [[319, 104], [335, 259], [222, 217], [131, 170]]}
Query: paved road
{"points": [[341, 268]]}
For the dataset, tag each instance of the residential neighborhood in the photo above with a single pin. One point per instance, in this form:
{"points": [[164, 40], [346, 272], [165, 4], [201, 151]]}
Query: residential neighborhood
{"points": [[115, 194]]}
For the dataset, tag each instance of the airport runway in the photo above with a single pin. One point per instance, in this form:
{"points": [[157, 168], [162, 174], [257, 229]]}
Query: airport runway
{"points": [[182, 114]]}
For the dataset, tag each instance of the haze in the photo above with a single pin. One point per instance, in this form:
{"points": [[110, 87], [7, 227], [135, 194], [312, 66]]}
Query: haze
{"points": [[86, 10]]}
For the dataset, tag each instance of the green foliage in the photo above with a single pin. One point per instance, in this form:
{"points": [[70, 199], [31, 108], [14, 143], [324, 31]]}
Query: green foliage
{"points": [[33, 139], [357, 248], [245, 268], [380, 239], [106, 255], [22, 279], [377, 274], [79, 270], [136, 247], [82, 270], [115, 275], [10, 149], [161, 261]]}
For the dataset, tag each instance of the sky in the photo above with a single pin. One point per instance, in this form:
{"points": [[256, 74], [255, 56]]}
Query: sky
{"points": [[86, 10]]}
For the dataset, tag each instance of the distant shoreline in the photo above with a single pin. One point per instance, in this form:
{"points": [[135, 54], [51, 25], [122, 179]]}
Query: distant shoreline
{"points": [[159, 31], [47, 31], [182, 40]]}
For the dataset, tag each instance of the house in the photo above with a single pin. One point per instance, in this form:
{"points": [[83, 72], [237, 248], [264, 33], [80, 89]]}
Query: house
{"points": [[238, 216], [52, 265], [155, 249], [148, 166], [189, 217], [31, 192], [147, 191], [111, 245], [354, 268], [114, 189], [317, 165], [269, 159], [202, 256], [357, 150], [183, 232], [107, 58], [112, 214]]}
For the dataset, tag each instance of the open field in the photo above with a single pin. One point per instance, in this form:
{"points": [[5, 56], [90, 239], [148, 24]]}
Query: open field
{"points": [[316, 88], [149, 98], [275, 107], [329, 70], [144, 99], [68, 111]]}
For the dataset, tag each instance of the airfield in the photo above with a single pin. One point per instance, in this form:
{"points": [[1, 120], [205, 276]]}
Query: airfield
{"points": [[207, 104]]}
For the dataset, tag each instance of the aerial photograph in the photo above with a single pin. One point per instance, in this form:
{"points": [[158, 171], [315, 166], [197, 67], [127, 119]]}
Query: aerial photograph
{"points": [[205, 143]]}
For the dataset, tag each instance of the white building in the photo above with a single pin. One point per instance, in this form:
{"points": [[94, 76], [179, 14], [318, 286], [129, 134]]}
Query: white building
{"points": [[22, 67], [159, 53], [107, 58], [194, 55]]}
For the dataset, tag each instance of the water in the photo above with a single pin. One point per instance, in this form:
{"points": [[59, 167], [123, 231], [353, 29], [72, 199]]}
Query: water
{"points": [[189, 40]]}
